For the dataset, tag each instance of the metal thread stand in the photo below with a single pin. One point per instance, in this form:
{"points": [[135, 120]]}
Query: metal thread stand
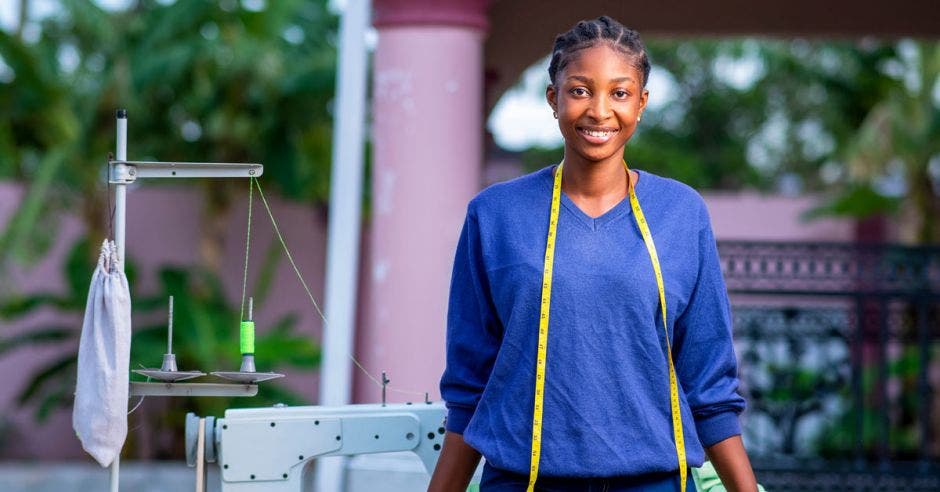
{"points": [[122, 172], [168, 371], [246, 374]]}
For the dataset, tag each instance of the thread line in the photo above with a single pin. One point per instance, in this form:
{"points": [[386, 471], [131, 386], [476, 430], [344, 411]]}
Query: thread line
{"points": [[251, 188], [316, 306]]}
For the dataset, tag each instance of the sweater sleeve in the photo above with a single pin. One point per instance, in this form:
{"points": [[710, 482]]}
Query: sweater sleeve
{"points": [[705, 359], [473, 332]]}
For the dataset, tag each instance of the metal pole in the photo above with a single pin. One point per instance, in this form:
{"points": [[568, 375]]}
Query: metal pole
{"points": [[343, 231], [120, 190], [169, 329], [120, 204], [116, 473]]}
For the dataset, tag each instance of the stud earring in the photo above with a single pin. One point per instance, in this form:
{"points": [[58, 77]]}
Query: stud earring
{"points": [[555, 114]]}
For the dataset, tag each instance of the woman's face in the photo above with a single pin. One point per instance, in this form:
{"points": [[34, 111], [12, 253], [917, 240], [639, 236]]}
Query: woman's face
{"points": [[599, 98]]}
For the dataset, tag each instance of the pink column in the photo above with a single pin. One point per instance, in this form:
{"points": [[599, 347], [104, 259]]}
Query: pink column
{"points": [[427, 136]]}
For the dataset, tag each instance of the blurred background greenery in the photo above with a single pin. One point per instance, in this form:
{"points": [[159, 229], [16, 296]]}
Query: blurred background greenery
{"points": [[203, 81]]}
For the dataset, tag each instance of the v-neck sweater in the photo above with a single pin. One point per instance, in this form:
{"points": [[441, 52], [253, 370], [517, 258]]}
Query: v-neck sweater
{"points": [[606, 402]]}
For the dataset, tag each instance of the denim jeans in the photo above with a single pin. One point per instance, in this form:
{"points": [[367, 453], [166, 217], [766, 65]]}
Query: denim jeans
{"points": [[496, 480]]}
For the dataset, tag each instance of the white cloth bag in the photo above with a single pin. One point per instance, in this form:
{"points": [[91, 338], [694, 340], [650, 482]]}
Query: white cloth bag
{"points": [[100, 413]]}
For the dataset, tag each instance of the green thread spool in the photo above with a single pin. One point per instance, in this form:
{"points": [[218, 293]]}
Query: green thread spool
{"points": [[247, 338]]}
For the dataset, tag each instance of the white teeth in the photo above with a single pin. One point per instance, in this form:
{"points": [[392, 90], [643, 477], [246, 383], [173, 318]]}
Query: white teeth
{"points": [[598, 134]]}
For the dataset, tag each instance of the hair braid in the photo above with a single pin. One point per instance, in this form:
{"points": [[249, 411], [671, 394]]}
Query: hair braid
{"points": [[586, 34]]}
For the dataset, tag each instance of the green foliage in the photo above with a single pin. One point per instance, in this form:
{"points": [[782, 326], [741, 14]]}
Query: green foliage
{"points": [[52, 386], [792, 111], [857, 201], [205, 337], [203, 81], [538, 157], [900, 136], [839, 437]]}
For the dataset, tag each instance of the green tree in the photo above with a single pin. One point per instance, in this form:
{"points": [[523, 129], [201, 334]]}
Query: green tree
{"points": [[203, 81], [901, 133]]}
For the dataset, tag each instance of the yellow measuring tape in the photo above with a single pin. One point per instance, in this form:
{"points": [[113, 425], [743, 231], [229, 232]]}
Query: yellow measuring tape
{"points": [[543, 333]]}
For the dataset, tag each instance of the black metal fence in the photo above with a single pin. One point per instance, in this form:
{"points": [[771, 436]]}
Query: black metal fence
{"points": [[840, 357]]}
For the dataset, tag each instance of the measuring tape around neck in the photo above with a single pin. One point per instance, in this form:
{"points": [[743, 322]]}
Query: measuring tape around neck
{"points": [[540, 364]]}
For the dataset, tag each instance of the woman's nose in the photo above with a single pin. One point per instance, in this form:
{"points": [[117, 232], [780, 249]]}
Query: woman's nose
{"points": [[599, 108]]}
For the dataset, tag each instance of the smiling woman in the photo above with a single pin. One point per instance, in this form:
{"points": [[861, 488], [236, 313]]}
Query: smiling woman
{"points": [[598, 96], [613, 368]]}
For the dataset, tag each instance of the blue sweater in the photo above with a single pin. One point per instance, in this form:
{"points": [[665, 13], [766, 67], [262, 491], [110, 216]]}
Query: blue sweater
{"points": [[606, 408]]}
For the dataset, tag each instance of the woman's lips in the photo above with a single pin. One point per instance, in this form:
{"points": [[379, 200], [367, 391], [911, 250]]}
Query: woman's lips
{"points": [[596, 135]]}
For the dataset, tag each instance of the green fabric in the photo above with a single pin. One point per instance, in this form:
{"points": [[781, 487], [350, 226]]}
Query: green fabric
{"points": [[706, 479]]}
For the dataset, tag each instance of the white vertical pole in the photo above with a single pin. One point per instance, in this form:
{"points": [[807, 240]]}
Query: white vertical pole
{"points": [[120, 204], [120, 190], [345, 215]]}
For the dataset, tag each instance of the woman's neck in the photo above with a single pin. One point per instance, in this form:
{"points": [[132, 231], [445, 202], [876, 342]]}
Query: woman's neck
{"points": [[595, 187], [603, 180]]}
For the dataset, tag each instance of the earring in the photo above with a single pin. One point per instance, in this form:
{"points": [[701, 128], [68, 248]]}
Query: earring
{"points": [[555, 114], [637, 119]]}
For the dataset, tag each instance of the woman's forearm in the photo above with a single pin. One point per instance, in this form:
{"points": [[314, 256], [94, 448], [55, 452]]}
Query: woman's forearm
{"points": [[455, 465], [733, 466]]}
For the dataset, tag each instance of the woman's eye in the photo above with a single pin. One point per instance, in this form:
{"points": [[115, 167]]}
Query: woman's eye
{"points": [[621, 94], [579, 91]]}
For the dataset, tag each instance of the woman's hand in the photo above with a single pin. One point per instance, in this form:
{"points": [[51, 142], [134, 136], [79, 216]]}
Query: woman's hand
{"points": [[455, 465], [733, 466]]}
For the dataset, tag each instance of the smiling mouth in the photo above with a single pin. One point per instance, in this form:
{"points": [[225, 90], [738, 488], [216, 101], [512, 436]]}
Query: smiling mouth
{"points": [[597, 135]]}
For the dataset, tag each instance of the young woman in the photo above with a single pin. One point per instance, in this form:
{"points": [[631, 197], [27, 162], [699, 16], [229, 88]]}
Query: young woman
{"points": [[589, 330]]}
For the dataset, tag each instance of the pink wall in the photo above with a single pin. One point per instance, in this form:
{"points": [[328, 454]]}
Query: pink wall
{"points": [[162, 229], [753, 216]]}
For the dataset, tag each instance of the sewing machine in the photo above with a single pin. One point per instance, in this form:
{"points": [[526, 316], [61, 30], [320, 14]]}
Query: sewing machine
{"points": [[271, 449]]}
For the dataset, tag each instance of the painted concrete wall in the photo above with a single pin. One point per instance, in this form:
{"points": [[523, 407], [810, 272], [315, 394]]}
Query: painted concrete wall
{"points": [[752, 216]]}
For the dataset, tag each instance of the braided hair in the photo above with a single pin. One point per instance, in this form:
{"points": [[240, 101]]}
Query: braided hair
{"points": [[586, 34]]}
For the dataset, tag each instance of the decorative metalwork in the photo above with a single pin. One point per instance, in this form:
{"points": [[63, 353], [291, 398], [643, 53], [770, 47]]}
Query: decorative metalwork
{"points": [[837, 344], [824, 268]]}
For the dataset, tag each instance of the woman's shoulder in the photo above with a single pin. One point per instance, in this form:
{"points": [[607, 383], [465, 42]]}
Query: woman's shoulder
{"points": [[513, 193]]}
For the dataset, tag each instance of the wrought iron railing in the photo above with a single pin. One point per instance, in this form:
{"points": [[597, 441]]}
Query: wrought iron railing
{"points": [[840, 354]]}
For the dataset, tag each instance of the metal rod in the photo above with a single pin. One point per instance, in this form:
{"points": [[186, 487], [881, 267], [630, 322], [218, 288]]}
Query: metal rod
{"points": [[344, 222], [120, 210], [139, 388], [134, 170], [169, 329], [120, 190], [251, 308], [116, 473], [385, 382]]}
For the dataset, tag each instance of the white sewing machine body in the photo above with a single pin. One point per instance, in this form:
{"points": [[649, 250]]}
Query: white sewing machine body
{"points": [[270, 449]]}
